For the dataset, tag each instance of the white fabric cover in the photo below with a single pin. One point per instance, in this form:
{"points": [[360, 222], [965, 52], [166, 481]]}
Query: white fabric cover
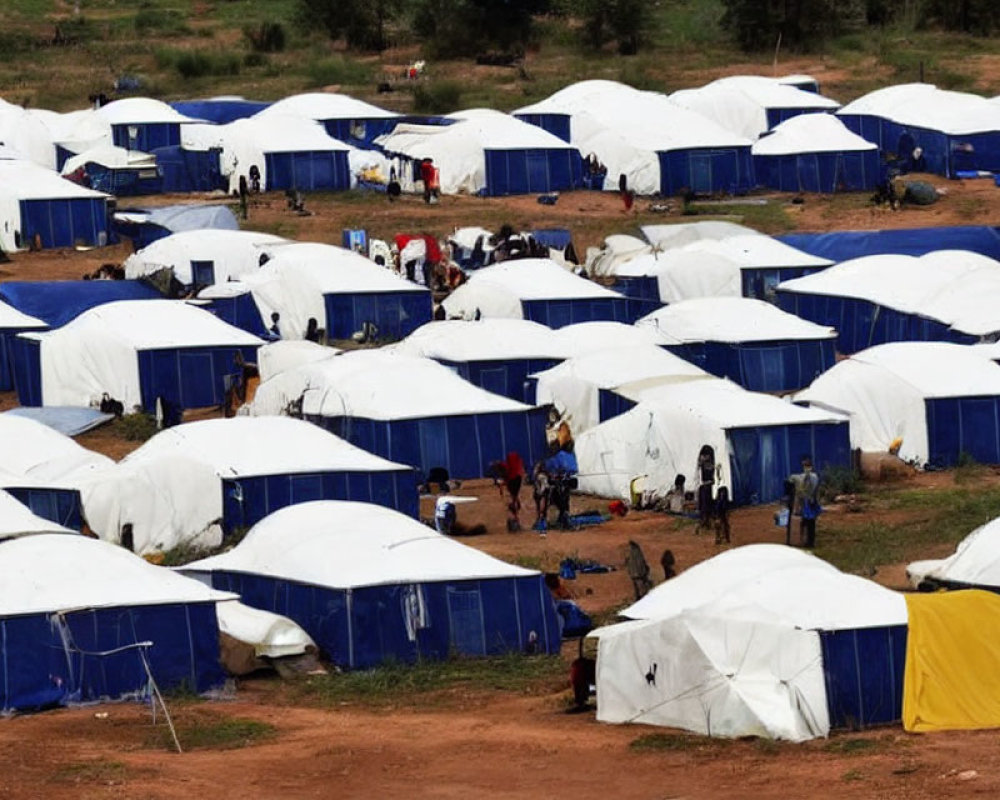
{"points": [[98, 351], [75, 130], [270, 635], [731, 320], [740, 103], [682, 274], [619, 249], [26, 134], [34, 450], [883, 390], [284, 355], [376, 385], [459, 149], [299, 274], [11, 318], [322, 106], [583, 338], [574, 386], [670, 235], [234, 253], [497, 291], [109, 156], [170, 488], [345, 545], [52, 572], [976, 560], [16, 519], [459, 341], [23, 180], [662, 436], [811, 133], [626, 128], [924, 105], [717, 671], [140, 110]]}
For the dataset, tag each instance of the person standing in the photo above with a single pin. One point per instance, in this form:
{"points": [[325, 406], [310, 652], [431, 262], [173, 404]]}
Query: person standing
{"points": [[807, 507], [638, 570], [706, 480]]}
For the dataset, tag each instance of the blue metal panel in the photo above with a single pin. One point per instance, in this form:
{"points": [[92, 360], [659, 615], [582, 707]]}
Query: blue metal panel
{"points": [[220, 112], [728, 170], [845, 245], [189, 377], [308, 171], [148, 137], [963, 426], [395, 314], [240, 311], [556, 124], [863, 670], [819, 172], [562, 312], [65, 222], [59, 302], [189, 170], [58, 505], [26, 364]]}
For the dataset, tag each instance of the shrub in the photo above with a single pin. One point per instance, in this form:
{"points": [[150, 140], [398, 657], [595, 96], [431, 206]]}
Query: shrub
{"points": [[150, 20], [437, 98], [337, 70], [268, 37]]}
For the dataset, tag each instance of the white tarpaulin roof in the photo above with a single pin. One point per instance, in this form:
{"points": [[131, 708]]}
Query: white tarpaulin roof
{"points": [[747, 247], [810, 133], [925, 106], [662, 436], [731, 320], [481, 340], [883, 389], [678, 234], [60, 572], [98, 351], [38, 452], [346, 545], [327, 105], [300, 274], [497, 291], [796, 587], [270, 635], [287, 354], [975, 562], [583, 338], [740, 102], [574, 385], [12, 318], [16, 519], [233, 253], [109, 156], [683, 274], [140, 110], [377, 385], [24, 132]]}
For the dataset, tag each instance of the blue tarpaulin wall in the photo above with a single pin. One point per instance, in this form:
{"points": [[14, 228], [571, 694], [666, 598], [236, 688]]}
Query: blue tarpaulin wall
{"points": [[366, 626], [149, 136], [556, 124], [220, 112], [39, 671], [464, 444], [706, 171], [779, 366], [863, 670], [7, 338], [26, 367], [962, 427], [308, 171], [65, 222], [554, 238], [188, 377], [819, 172], [532, 171], [861, 324], [164, 220], [246, 501], [643, 293], [189, 170], [558, 313], [240, 311], [504, 377], [124, 181], [59, 302], [61, 506], [944, 154], [610, 404], [845, 245], [760, 282], [359, 132], [762, 458], [396, 314], [775, 116]]}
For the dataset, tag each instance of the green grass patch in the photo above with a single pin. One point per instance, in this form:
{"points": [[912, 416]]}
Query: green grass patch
{"points": [[205, 732], [135, 427], [394, 683], [852, 775], [677, 742], [851, 746], [437, 97], [337, 70], [97, 771], [770, 217], [151, 20]]}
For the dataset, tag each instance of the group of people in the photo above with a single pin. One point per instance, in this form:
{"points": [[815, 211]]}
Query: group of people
{"points": [[551, 487]]}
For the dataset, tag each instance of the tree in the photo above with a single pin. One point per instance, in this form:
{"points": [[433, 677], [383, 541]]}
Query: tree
{"points": [[469, 26], [801, 24], [363, 23], [626, 22]]}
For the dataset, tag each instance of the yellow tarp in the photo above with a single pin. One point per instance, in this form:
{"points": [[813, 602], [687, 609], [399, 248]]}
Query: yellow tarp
{"points": [[952, 675]]}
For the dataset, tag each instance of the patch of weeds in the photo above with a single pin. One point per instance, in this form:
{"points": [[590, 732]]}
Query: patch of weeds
{"points": [[439, 97], [97, 771], [136, 427], [677, 742], [851, 746], [395, 682], [837, 481], [337, 70], [853, 775], [212, 733], [153, 21], [529, 562]]}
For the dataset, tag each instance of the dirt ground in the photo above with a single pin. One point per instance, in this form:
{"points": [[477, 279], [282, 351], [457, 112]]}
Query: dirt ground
{"points": [[492, 743]]}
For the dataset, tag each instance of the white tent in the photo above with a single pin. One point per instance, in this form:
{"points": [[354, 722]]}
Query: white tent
{"points": [[884, 389], [323, 106], [730, 320], [298, 275], [584, 338], [457, 341], [109, 156], [288, 354], [366, 383], [683, 274], [619, 249], [16, 519], [270, 635], [141, 111], [574, 387], [99, 350], [170, 489], [498, 291], [35, 451], [740, 103], [26, 135], [729, 647], [627, 129], [975, 562], [232, 254], [459, 149], [923, 105], [811, 133], [661, 437]]}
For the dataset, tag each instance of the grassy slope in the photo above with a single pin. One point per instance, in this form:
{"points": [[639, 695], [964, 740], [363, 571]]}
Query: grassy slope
{"points": [[144, 37]]}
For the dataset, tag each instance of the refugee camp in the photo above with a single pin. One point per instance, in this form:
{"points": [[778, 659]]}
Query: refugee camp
{"points": [[442, 398]]}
